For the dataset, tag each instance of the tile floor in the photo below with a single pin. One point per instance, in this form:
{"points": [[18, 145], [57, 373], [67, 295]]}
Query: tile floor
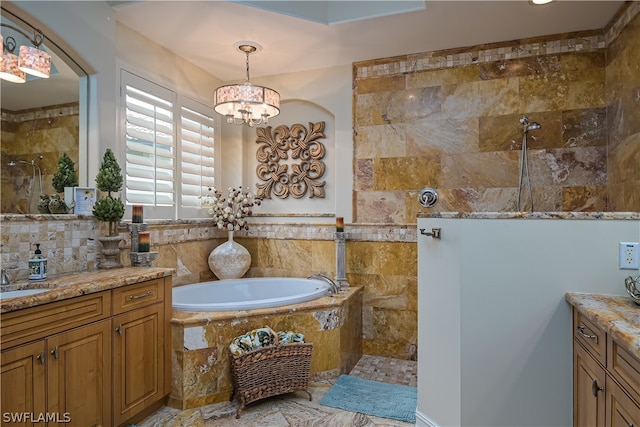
{"points": [[295, 409]]}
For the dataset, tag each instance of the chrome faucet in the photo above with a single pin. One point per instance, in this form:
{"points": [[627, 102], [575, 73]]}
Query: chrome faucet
{"points": [[334, 287], [4, 280]]}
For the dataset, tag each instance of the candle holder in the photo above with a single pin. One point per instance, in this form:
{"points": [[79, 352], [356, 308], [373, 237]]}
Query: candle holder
{"points": [[140, 258], [341, 275]]}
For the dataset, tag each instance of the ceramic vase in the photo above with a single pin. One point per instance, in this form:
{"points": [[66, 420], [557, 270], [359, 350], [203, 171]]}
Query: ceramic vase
{"points": [[110, 254], [230, 260]]}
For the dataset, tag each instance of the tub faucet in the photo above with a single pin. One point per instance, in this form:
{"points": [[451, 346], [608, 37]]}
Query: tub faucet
{"points": [[334, 287]]}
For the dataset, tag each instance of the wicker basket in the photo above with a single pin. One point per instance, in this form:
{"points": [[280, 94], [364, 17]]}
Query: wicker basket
{"points": [[270, 371]]}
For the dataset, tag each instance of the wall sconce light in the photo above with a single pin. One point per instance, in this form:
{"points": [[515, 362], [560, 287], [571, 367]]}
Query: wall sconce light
{"points": [[246, 103], [9, 70], [32, 60]]}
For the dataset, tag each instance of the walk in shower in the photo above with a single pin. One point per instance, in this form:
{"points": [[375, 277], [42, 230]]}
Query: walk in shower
{"points": [[24, 178]]}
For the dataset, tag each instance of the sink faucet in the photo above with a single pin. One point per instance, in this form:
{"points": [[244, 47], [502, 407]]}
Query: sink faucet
{"points": [[4, 281], [334, 287]]}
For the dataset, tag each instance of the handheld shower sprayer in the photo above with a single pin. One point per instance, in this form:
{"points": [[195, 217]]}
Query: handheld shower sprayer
{"points": [[524, 164], [529, 126]]}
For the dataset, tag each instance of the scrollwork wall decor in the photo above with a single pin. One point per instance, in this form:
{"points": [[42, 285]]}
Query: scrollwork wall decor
{"points": [[305, 158]]}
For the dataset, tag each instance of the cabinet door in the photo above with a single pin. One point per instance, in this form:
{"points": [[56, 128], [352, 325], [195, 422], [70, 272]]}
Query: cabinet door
{"points": [[79, 375], [588, 389], [138, 362], [22, 383], [622, 411]]}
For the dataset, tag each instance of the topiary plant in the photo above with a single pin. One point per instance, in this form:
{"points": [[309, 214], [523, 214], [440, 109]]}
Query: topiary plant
{"points": [[109, 179], [66, 175]]}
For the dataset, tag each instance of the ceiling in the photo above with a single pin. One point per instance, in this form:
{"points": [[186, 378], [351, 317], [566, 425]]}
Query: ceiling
{"points": [[304, 35]]}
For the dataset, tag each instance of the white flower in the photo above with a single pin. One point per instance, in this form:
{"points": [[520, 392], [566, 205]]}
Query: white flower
{"points": [[230, 212]]}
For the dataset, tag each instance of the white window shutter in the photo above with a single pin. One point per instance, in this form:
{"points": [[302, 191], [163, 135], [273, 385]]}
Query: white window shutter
{"points": [[197, 149]]}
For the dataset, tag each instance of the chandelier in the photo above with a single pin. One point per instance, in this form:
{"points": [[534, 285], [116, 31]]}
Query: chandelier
{"points": [[244, 103], [32, 60]]}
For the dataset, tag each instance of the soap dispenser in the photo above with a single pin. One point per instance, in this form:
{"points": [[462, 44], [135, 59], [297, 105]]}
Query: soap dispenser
{"points": [[37, 265]]}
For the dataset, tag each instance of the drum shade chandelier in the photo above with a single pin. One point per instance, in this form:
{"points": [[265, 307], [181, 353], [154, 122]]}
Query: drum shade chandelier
{"points": [[244, 103], [31, 59]]}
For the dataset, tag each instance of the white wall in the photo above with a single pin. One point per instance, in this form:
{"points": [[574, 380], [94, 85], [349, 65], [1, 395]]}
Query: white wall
{"points": [[327, 89], [494, 329], [88, 31]]}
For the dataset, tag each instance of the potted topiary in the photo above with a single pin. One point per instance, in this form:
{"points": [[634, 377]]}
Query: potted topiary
{"points": [[109, 209], [63, 181]]}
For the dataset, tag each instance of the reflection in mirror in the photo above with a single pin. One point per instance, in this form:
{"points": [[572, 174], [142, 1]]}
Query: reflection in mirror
{"points": [[40, 122]]}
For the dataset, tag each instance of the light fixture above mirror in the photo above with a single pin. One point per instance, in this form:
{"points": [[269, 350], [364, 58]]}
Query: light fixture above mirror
{"points": [[32, 59], [244, 103]]}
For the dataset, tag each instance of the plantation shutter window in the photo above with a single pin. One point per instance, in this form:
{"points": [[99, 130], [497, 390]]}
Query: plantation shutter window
{"points": [[170, 149], [150, 145], [197, 149]]}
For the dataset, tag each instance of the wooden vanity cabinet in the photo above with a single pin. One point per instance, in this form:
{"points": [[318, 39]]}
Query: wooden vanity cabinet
{"points": [[139, 344], [96, 360], [606, 379]]}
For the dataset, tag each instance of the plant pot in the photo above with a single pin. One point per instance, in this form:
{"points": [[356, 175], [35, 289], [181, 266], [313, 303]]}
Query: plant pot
{"points": [[56, 205], [110, 254], [43, 204], [230, 260]]}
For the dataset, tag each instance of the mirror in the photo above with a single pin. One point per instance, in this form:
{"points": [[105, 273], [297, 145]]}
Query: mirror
{"points": [[40, 122]]}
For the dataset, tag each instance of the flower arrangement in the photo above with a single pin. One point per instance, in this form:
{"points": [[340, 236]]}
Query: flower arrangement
{"points": [[230, 213]]}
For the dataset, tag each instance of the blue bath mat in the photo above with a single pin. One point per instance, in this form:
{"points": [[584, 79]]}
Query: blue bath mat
{"points": [[397, 402]]}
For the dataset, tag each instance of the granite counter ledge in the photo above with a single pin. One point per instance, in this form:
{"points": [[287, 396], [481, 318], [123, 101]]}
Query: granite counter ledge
{"points": [[533, 215], [71, 285], [617, 315]]}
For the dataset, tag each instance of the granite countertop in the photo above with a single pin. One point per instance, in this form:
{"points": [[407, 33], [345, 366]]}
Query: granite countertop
{"points": [[64, 286], [618, 315], [532, 215]]}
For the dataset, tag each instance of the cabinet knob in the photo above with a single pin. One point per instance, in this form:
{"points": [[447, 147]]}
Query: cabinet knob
{"points": [[55, 352], [40, 357], [595, 388], [119, 329]]}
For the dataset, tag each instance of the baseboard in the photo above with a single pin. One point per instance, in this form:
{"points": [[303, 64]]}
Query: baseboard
{"points": [[424, 421]]}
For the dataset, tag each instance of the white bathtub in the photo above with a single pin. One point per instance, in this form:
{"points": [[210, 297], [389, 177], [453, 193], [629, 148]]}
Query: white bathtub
{"points": [[245, 294]]}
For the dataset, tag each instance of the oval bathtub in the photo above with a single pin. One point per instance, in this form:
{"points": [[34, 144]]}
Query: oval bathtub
{"points": [[245, 294]]}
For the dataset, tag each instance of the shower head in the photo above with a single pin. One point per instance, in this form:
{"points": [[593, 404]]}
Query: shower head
{"points": [[524, 120]]}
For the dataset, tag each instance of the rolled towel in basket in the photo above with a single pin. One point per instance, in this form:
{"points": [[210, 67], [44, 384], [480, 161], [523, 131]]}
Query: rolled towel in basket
{"points": [[262, 337], [289, 337], [253, 340]]}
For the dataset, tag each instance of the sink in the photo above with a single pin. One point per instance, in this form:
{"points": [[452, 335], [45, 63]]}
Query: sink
{"points": [[20, 293]]}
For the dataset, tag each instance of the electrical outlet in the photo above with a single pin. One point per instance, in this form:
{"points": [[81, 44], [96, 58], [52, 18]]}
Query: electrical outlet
{"points": [[629, 256]]}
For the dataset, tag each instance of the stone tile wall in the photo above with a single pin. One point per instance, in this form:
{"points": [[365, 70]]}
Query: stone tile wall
{"points": [[450, 120], [623, 114], [26, 135]]}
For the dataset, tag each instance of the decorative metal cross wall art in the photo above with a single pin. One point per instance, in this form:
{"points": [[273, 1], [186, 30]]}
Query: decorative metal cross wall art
{"points": [[294, 146]]}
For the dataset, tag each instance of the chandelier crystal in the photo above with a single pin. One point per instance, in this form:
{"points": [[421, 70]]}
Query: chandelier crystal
{"points": [[245, 103]]}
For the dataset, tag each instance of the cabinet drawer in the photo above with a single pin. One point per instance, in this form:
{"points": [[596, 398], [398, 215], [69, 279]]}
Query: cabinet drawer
{"points": [[624, 367], [592, 337], [135, 296], [29, 324]]}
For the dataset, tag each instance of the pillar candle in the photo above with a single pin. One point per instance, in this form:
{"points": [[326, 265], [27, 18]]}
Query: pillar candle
{"points": [[143, 241], [339, 224], [136, 216]]}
